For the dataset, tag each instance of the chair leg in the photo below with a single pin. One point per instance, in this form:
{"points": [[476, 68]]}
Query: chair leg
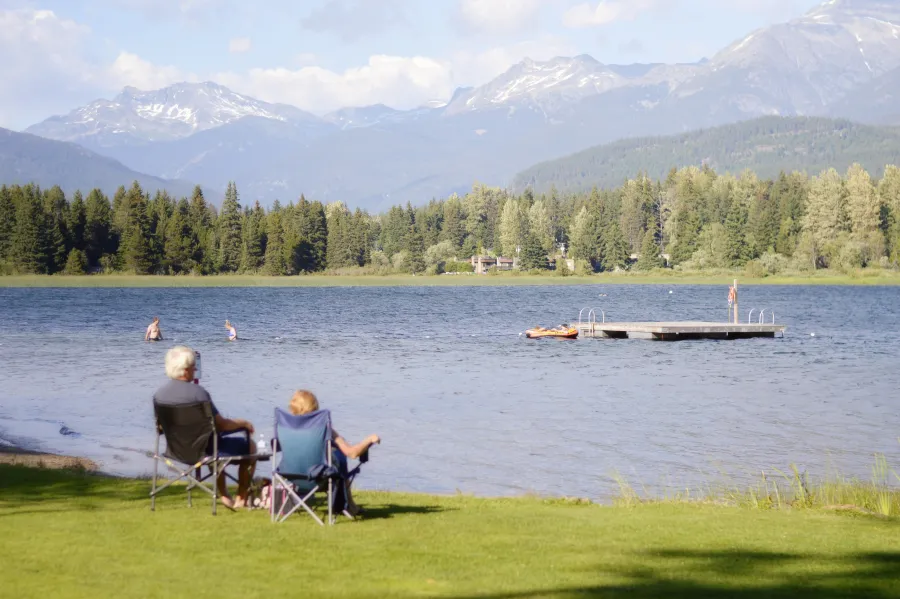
{"points": [[330, 499], [215, 486], [155, 474]]}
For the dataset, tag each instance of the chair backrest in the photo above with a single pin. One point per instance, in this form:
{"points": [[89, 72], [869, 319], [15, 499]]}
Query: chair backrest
{"points": [[187, 429], [303, 440]]}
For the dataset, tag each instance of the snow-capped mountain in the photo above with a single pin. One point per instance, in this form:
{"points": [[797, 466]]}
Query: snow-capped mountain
{"points": [[165, 114], [804, 65], [841, 59]]}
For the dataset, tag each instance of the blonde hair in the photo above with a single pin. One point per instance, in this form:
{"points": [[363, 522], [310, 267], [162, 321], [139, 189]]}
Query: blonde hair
{"points": [[179, 360], [303, 402]]}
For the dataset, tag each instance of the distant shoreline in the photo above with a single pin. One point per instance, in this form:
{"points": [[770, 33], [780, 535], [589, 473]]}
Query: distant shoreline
{"points": [[862, 278]]}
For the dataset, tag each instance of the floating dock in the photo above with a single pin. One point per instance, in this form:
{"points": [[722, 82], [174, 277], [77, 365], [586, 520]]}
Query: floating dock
{"points": [[677, 331]]}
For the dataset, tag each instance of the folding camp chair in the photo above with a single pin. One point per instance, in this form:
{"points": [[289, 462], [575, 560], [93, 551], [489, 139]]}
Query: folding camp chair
{"points": [[189, 430], [306, 465]]}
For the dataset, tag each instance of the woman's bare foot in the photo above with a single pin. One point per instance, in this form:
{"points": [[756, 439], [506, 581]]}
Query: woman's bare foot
{"points": [[239, 503], [227, 501]]}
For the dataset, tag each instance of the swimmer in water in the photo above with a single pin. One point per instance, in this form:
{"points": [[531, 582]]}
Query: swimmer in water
{"points": [[153, 333], [232, 332]]}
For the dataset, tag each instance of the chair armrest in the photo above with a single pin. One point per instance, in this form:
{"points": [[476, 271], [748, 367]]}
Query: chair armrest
{"points": [[245, 431]]}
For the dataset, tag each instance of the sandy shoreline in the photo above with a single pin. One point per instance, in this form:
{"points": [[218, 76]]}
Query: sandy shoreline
{"points": [[16, 456]]}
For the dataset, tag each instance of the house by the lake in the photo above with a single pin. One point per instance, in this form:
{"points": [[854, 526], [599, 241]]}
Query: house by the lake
{"points": [[482, 264]]}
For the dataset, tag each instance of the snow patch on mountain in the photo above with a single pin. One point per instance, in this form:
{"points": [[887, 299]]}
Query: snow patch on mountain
{"points": [[169, 113]]}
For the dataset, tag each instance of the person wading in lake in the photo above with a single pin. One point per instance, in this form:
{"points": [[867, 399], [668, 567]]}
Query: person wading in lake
{"points": [[181, 365], [232, 332], [153, 333]]}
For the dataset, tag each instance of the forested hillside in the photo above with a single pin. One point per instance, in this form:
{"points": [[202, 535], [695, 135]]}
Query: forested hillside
{"points": [[26, 158], [694, 217], [766, 146]]}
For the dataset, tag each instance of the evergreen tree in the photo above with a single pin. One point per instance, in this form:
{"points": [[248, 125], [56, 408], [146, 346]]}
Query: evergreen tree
{"points": [[737, 252], [338, 249], [229, 228], [394, 230], [252, 253], [119, 217], [686, 235], [416, 248], [29, 246], [533, 256], [98, 225], [615, 249], [581, 237], [650, 255], [7, 223], [274, 262], [135, 249], [201, 221], [454, 227], [864, 211], [358, 239], [635, 212], [863, 203], [55, 215], [889, 193], [541, 226], [512, 228], [76, 263], [181, 250], [77, 222], [825, 217], [316, 233]]}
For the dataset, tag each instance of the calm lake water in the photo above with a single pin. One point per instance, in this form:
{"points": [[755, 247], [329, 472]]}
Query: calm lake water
{"points": [[461, 400]]}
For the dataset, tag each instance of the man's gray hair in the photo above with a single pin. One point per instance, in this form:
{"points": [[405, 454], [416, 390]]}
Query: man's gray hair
{"points": [[179, 360]]}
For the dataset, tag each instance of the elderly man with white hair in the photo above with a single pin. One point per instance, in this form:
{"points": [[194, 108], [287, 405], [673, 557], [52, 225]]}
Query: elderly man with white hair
{"points": [[181, 364]]}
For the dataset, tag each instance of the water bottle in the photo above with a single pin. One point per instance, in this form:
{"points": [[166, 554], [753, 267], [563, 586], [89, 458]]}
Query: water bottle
{"points": [[261, 444]]}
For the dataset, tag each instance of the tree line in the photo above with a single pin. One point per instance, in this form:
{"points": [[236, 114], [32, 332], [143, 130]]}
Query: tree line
{"points": [[695, 219]]}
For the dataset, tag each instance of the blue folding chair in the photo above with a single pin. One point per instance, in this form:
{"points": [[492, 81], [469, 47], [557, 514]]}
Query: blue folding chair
{"points": [[303, 465]]}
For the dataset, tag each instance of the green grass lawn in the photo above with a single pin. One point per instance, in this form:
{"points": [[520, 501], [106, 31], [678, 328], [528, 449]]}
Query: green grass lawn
{"points": [[66, 534], [863, 277]]}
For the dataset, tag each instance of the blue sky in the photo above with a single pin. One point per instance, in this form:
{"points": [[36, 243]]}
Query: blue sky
{"points": [[324, 54]]}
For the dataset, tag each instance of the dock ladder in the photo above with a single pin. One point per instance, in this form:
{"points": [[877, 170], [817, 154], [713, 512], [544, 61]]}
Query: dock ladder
{"points": [[591, 323]]}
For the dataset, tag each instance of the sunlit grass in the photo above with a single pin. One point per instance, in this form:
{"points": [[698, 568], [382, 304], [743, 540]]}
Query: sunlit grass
{"points": [[74, 534], [780, 489], [658, 277]]}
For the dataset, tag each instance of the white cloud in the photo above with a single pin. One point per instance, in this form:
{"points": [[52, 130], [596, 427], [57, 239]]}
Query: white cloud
{"points": [[606, 12], [43, 64], [401, 82], [236, 45], [498, 15], [130, 69]]}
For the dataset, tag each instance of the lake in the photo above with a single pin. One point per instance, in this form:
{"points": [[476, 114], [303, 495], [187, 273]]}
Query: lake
{"points": [[461, 399]]}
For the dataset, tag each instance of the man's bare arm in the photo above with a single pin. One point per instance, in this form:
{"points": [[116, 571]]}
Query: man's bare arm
{"points": [[224, 425]]}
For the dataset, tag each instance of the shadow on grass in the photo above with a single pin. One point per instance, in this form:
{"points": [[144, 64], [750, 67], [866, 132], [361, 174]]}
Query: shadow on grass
{"points": [[21, 485], [30, 490], [390, 510], [739, 574]]}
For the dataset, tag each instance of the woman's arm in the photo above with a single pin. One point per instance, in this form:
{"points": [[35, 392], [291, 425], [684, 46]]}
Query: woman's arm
{"points": [[354, 451]]}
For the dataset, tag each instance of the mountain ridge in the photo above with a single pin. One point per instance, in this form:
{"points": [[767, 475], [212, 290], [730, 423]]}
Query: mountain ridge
{"points": [[820, 64], [766, 145], [24, 158]]}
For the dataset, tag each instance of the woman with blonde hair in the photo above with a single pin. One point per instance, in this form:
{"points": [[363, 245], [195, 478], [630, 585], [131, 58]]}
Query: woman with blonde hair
{"points": [[304, 402], [232, 332]]}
